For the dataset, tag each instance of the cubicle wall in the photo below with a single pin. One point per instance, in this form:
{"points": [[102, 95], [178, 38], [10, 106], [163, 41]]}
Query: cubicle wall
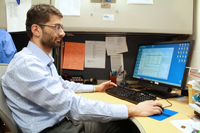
{"points": [[21, 40], [128, 57], [163, 16], [161, 21]]}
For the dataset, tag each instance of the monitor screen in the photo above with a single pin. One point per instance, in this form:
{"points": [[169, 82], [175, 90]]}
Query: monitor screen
{"points": [[163, 63]]}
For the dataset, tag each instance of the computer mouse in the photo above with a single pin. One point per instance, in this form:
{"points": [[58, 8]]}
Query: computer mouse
{"points": [[161, 107]]}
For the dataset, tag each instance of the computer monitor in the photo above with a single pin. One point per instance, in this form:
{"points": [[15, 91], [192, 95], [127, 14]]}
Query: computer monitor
{"points": [[162, 66]]}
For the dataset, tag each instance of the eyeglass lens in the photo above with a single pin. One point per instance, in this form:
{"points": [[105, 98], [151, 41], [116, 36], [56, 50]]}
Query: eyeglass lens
{"points": [[58, 27]]}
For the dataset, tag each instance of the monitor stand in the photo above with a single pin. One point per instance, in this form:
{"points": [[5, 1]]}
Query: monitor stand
{"points": [[159, 91], [162, 94]]}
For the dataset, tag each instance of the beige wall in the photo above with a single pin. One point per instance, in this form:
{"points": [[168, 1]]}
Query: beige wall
{"points": [[3, 23], [164, 16], [195, 61]]}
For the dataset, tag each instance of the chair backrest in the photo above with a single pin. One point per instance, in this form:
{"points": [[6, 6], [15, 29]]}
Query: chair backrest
{"points": [[5, 112]]}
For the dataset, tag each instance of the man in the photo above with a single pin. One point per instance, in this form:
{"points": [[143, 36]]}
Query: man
{"points": [[41, 101]]}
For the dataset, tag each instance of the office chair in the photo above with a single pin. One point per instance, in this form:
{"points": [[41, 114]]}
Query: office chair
{"points": [[5, 112]]}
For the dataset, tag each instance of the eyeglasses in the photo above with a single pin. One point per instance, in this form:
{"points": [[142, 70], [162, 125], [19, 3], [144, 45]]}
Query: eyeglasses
{"points": [[58, 27]]}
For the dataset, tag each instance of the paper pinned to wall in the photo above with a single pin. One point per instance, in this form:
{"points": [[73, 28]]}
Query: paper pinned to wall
{"points": [[117, 64], [69, 7], [139, 1], [95, 54], [16, 14], [116, 45], [74, 55]]}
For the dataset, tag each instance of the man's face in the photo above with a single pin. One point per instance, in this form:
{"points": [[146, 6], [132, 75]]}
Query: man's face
{"points": [[51, 37]]}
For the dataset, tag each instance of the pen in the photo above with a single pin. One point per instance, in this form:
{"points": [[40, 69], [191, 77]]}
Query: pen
{"points": [[110, 73], [18, 2], [113, 72], [119, 69], [121, 72]]}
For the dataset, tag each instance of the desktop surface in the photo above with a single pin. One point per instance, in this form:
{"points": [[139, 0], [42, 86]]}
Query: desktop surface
{"points": [[147, 124]]}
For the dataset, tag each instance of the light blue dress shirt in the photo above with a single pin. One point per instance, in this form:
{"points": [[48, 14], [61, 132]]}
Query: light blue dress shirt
{"points": [[40, 98], [7, 47]]}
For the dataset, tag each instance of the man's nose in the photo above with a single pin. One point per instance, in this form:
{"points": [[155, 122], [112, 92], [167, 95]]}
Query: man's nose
{"points": [[62, 33]]}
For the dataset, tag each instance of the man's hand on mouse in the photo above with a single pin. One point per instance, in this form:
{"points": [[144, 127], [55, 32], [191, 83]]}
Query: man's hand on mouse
{"points": [[146, 108]]}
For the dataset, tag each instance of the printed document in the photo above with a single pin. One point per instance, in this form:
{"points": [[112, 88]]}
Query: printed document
{"points": [[116, 45], [95, 54], [139, 1], [117, 62], [69, 7], [16, 14], [186, 123]]}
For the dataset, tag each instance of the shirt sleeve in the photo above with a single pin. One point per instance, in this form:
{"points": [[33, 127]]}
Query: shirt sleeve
{"points": [[76, 87], [7, 48], [33, 81]]}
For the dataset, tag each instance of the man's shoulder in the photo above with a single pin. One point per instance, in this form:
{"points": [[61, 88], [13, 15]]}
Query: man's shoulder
{"points": [[23, 56]]}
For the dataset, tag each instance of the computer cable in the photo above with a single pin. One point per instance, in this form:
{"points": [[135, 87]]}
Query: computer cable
{"points": [[167, 105]]}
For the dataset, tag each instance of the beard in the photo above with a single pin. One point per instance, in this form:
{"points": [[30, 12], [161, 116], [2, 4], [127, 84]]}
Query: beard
{"points": [[49, 41]]}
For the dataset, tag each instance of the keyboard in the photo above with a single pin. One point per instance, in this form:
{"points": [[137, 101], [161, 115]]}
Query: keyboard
{"points": [[130, 95]]}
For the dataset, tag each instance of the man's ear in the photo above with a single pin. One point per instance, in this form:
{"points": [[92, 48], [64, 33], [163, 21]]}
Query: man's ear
{"points": [[36, 30]]}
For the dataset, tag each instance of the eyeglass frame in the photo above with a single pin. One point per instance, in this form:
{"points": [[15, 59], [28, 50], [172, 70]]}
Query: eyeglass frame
{"points": [[57, 26]]}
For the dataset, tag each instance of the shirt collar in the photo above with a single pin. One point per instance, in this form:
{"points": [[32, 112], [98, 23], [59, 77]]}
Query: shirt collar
{"points": [[47, 59]]}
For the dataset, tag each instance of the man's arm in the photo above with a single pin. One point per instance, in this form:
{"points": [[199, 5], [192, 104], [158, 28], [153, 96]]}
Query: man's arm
{"points": [[76, 87], [103, 86], [146, 108]]}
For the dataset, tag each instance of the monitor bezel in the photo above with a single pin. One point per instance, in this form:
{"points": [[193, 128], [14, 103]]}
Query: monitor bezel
{"points": [[185, 75]]}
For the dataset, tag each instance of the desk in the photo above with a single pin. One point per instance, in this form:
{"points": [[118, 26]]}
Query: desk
{"points": [[146, 124]]}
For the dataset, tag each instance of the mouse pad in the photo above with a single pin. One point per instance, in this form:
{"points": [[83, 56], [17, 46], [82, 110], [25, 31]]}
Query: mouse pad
{"points": [[166, 113]]}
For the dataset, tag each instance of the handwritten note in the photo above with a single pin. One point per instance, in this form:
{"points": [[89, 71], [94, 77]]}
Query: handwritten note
{"points": [[74, 55]]}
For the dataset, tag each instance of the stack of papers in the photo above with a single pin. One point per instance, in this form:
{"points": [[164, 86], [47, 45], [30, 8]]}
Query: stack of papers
{"points": [[183, 125]]}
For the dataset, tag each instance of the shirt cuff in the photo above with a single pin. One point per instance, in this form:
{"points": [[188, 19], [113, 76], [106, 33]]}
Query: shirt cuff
{"points": [[119, 111], [88, 88]]}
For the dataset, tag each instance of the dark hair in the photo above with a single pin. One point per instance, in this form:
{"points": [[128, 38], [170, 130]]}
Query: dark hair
{"points": [[40, 14]]}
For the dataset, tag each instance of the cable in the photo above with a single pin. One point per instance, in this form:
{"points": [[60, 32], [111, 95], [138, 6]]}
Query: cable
{"points": [[168, 105]]}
